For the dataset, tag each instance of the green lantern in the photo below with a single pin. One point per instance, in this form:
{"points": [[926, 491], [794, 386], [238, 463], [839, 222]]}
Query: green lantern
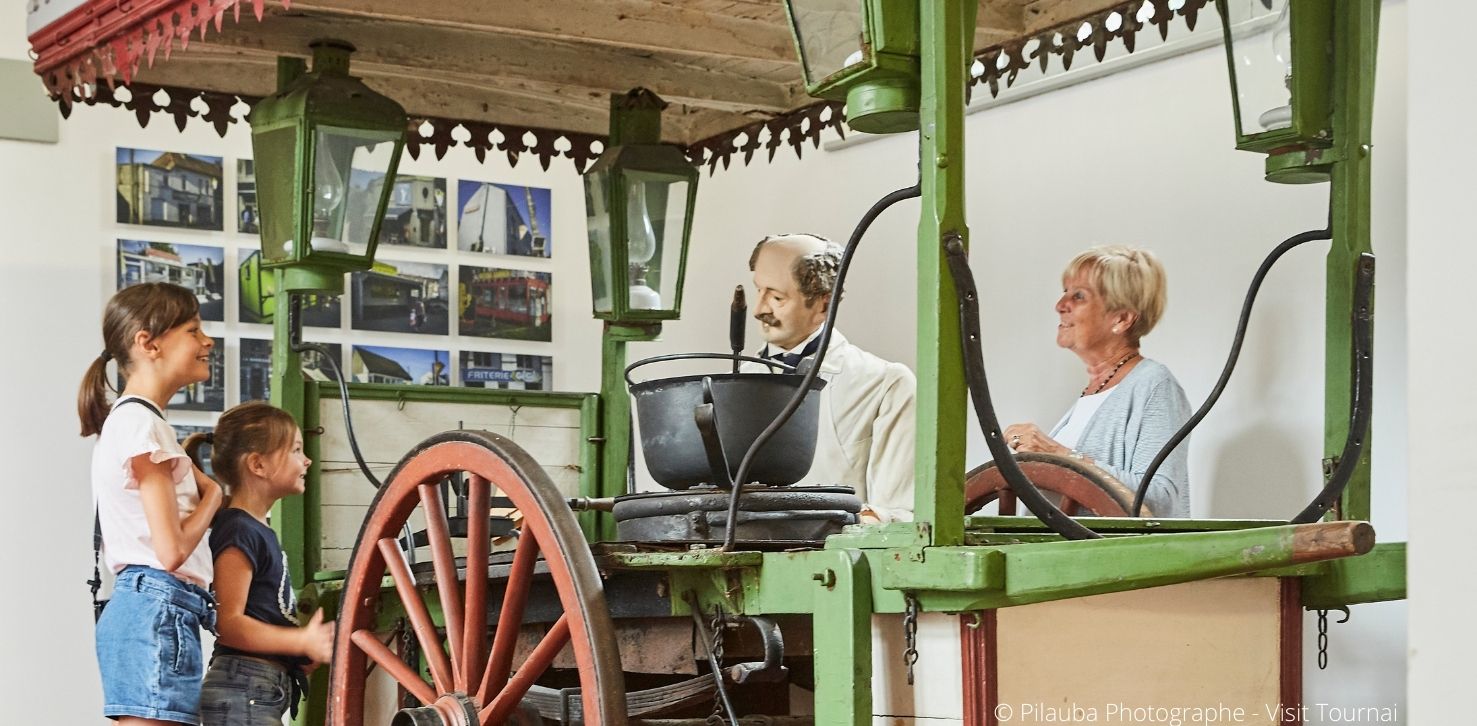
{"points": [[863, 52], [639, 197], [326, 149], [1281, 75]]}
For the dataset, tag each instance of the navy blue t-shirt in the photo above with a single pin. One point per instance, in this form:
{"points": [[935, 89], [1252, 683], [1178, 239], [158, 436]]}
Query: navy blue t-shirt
{"points": [[270, 598]]}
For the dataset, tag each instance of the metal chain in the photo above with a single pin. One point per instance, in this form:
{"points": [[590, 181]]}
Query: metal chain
{"points": [[1323, 635], [716, 718], [1322, 639], [910, 634]]}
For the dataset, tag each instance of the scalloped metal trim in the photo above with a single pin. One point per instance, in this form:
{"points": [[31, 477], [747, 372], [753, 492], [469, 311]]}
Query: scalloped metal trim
{"points": [[74, 77]]}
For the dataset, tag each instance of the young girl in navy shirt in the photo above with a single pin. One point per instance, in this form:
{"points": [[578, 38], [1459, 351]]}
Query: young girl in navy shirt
{"points": [[153, 507], [262, 656]]}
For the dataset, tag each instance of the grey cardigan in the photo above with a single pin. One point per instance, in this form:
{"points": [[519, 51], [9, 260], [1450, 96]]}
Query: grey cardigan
{"points": [[1140, 414]]}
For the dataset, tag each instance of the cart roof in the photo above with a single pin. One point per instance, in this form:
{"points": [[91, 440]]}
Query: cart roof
{"points": [[503, 69]]}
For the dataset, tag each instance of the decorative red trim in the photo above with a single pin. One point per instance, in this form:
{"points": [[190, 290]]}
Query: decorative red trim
{"points": [[108, 38], [977, 635], [1290, 691]]}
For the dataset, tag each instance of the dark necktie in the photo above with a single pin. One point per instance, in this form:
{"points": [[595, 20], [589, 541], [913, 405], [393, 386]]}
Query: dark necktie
{"points": [[793, 359]]}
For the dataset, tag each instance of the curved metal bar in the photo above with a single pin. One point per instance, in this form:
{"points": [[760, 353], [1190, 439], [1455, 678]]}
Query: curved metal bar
{"points": [[1220, 385], [984, 409], [704, 356], [820, 354], [1360, 395]]}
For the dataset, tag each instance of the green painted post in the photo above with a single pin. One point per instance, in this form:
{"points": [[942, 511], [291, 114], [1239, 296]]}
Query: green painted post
{"points": [[947, 30], [843, 639], [1356, 35], [289, 514]]}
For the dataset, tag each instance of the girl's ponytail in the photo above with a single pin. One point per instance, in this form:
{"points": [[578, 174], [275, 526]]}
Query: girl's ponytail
{"points": [[194, 442], [92, 396]]}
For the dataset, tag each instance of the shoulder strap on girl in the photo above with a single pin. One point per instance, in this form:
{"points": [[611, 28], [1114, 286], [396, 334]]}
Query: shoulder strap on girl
{"points": [[96, 582]]}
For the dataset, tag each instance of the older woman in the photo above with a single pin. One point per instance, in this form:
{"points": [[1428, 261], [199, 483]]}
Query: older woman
{"points": [[1111, 298]]}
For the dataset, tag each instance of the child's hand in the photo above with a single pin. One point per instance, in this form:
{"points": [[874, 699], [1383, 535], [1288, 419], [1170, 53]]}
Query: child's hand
{"points": [[206, 486], [317, 638]]}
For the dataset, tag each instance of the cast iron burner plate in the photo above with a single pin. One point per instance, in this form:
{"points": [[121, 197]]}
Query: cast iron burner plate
{"points": [[800, 515]]}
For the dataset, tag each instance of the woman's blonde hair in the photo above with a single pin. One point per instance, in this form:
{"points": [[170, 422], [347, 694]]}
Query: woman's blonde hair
{"points": [[1127, 278], [254, 427]]}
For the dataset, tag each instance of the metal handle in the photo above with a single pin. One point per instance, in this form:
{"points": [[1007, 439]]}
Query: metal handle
{"points": [[706, 417], [704, 356]]}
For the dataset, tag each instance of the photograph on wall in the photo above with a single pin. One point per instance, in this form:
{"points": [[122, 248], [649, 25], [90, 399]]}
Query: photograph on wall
{"points": [[415, 215], [503, 219], [507, 370], [256, 367], [196, 268], [206, 395], [384, 364], [246, 208], [400, 297], [169, 189], [184, 432], [498, 303], [257, 296]]}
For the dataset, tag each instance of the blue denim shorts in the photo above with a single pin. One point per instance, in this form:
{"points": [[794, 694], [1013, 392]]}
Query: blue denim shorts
{"points": [[244, 691], [148, 646]]}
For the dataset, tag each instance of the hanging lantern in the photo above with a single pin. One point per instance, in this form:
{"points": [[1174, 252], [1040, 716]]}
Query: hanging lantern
{"points": [[639, 197], [863, 52], [1281, 79], [326, 149]]}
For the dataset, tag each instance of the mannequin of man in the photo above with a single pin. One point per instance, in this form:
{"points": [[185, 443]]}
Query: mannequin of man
{"points": [[865, 437]]}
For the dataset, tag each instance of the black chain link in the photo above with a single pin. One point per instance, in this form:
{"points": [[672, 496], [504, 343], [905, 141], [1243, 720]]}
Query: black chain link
{"points": [[716, 718], [910, 634], [1322, 639]]}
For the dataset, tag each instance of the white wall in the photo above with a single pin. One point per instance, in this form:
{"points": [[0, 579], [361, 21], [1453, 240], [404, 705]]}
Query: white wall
{"points": [[1142, 157], [1441, 349]]}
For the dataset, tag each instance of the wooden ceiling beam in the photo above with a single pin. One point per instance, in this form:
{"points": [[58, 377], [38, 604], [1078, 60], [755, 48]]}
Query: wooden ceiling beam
{"points": [[668, 27], [501, 60]]}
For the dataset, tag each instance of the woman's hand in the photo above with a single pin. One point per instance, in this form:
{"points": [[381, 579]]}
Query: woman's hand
{"points": [[1024, 437]]}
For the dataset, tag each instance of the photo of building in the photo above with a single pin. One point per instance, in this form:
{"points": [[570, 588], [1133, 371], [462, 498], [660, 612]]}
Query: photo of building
{"points": [[400, 297], [507, 370], [169, 189], [499, 303], [415, 215], [503, 219], [256, 367], [196, 268], [247, 221], [384, 364], [257, 292]]}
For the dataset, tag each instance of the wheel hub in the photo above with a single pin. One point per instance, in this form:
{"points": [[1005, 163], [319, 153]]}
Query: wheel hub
{"points": [[454, 709]]}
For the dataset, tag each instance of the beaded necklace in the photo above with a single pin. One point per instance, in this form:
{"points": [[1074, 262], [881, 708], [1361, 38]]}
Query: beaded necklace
{"points": [[1114, 372]]}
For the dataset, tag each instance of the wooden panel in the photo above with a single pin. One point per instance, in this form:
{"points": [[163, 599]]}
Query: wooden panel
{"points": [[386, 431], [1198, 644], [937, 690]]}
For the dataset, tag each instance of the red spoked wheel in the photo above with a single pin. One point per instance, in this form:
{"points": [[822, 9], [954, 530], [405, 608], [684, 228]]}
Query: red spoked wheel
{"points": [[473, 679], [1079, 487]]}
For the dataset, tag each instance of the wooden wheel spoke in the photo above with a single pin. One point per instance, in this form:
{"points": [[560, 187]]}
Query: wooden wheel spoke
{"points": [[420, 618], [1007, 503], [392, 664], [538, 662], [474, 635], [439, 537], [1068, 505], [515, 597]]}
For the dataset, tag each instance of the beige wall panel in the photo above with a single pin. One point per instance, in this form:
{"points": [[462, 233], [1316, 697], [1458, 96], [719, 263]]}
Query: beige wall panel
{"points": [[937, 691], [1196, 645]]}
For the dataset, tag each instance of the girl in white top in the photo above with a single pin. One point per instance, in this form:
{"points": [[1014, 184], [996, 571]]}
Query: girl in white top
{"points": [[153, 505]]}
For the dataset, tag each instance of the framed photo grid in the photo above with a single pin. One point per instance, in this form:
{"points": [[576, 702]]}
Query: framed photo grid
{"points": [[449, 281]]}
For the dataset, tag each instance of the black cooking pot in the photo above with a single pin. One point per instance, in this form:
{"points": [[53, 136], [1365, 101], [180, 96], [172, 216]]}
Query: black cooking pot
{"points": [[696, 429]]}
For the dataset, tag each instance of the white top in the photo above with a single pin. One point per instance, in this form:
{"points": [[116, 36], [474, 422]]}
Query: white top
{"points": [[132, 431], [1082, 412]]}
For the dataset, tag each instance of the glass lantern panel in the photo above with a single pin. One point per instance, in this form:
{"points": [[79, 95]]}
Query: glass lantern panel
{"points": [[276, 187], [597, 222], [830, 34], [656, 213], [349, 169], [1262, 56]]}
